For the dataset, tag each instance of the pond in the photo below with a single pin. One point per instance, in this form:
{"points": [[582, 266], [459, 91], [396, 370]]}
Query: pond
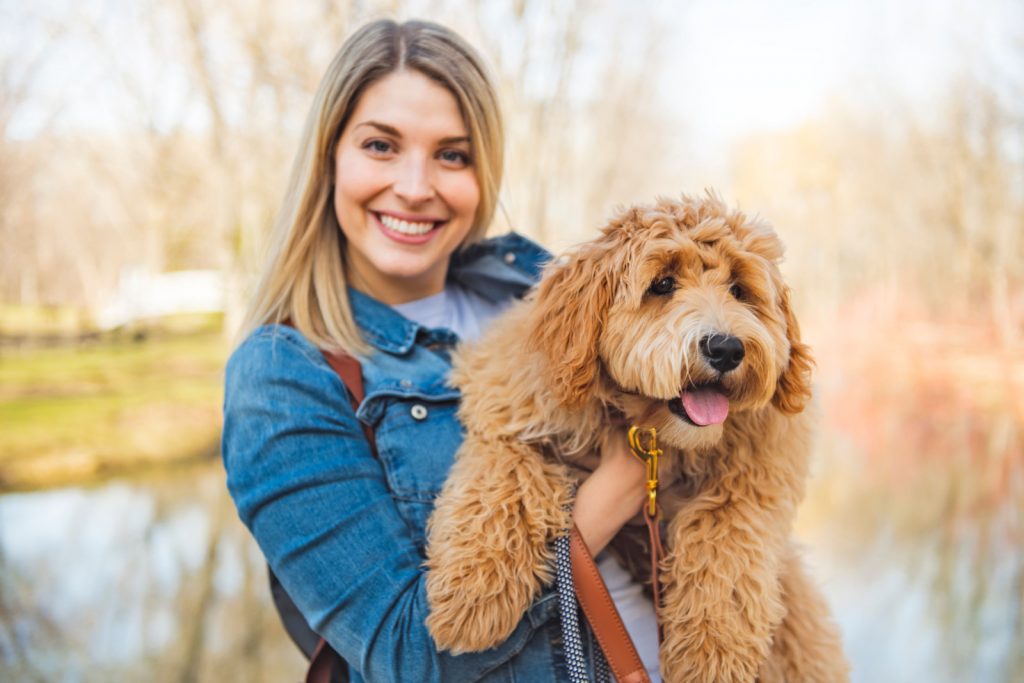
{"points": [[155, 579], [148, 579]]}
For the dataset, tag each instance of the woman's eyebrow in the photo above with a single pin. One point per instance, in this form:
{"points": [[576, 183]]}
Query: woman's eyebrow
{"points": [[382, 127], [394, 132]]}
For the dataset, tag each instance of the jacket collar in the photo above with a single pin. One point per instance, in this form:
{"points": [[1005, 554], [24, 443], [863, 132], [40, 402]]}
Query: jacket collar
{"points": [[497, 269]]}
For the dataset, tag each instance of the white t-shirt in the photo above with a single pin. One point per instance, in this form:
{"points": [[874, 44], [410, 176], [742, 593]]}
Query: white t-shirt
{"points": [[454, 308], [466, 314]]}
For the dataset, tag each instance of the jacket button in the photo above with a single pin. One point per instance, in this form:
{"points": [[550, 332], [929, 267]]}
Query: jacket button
{"points": [[510, 258], [406, 384], [418, 412]]}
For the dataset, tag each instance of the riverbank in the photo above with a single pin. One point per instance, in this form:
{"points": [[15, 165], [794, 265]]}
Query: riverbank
{"points": [[81, 413]]}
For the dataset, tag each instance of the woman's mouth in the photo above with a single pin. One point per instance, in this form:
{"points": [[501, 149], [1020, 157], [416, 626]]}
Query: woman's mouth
{"points": [[407, 231]]}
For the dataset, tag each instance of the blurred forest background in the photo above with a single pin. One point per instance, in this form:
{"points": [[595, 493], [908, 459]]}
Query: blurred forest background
{"points": [[144, 148]]}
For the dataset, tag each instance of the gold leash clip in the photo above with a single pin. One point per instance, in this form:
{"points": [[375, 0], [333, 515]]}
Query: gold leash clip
{"points": [[649, 455]]}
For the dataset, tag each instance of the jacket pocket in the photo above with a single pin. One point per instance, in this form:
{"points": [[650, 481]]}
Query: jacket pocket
{"points": [[417, 437]]}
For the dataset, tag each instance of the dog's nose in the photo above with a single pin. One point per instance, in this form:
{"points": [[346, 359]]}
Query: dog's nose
{"points": [[723, 351]]}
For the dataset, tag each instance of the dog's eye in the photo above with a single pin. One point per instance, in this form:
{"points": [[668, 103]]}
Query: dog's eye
{"points": [[737, 292], [663, 286]]}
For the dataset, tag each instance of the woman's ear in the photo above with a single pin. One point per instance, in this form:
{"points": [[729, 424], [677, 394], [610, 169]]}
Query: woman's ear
{"points": [[570, 309], [793, 389]]}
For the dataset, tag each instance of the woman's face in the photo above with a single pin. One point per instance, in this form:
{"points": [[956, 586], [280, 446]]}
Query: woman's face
{"points": [[405, 192]]}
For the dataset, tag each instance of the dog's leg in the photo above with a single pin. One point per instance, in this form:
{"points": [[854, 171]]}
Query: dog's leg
{"points": [[806, 645], [490, 537], [722, 594]]}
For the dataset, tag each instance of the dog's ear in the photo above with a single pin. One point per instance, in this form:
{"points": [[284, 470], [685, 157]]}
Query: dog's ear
{"points": [[570, 310], [794, 387]]}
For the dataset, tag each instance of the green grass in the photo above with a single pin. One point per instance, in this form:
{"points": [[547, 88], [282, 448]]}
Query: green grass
{"points": [[41, 319], [74, 413]]}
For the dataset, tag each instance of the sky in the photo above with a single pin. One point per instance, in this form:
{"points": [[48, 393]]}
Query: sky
{"points": [[729, 68], [763, 66]]}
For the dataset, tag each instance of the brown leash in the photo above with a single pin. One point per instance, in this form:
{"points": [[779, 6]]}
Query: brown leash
{"points": [[649, 453], [591, 591], [654, 534]]}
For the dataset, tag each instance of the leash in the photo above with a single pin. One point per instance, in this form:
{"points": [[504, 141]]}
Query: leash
{"points": [[580, 585], [648, 453]]}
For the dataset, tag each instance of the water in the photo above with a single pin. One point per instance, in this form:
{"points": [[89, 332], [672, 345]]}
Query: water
{"points": [[916, 518], [136, 580], [155, 579], [901, 623]]}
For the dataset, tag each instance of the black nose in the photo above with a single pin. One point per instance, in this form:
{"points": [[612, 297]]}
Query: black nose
{"points": [[723, 351]]}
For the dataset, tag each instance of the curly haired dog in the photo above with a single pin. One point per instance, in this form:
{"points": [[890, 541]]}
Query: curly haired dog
{"points": [[675, 317]]}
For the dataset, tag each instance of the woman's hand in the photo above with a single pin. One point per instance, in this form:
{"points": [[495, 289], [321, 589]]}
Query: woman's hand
{"points": [[612, 495]]}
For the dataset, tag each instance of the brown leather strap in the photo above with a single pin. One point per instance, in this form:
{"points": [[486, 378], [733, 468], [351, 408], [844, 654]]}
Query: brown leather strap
{"points": [[351, 373], [604, 619], [325, 666], [657, 552]]}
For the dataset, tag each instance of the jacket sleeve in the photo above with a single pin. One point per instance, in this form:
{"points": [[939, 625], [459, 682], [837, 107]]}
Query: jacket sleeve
{"points": [[309, 489]]}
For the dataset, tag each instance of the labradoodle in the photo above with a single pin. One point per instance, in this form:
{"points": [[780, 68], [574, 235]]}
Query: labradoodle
{"points": [[675, 317]]}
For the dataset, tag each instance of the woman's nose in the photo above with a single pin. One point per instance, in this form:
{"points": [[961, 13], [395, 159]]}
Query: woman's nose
{"points": [[414, 183]]}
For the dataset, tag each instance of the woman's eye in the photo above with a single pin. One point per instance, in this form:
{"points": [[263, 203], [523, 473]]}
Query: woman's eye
{"points": [[663, 286], [454, 157], [378, 146], [737, 292]]}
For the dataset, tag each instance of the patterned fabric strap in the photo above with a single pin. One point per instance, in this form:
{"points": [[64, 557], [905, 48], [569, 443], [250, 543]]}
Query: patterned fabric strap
{"points": [[572, 636]]}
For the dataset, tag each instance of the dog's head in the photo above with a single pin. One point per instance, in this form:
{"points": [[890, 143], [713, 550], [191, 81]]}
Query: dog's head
{"points": [[677, 313]]}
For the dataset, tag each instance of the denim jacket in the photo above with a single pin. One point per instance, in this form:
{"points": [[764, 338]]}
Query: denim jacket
{"points": [[345, 531]]}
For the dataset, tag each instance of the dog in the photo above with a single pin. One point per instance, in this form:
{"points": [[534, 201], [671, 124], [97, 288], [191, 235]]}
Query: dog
{"points": [[675, 317]]}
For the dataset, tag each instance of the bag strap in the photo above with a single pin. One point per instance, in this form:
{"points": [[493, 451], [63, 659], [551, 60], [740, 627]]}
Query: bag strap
{"points": [[351, 373], [604, 618], [326, 665], [325, 662]]}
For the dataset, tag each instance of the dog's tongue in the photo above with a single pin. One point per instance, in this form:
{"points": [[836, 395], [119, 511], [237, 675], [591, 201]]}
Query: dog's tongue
{"points": [[705, 406]]}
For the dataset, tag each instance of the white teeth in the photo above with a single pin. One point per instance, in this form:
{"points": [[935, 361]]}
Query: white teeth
{"points": [[405, 227]]}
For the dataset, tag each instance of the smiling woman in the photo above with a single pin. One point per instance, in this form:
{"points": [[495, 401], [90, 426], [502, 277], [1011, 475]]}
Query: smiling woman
{"points": [[377, 256], [406, 193], [404, 142]]}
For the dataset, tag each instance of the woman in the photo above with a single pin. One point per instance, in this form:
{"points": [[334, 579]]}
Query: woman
{"points": [[377, 254]]}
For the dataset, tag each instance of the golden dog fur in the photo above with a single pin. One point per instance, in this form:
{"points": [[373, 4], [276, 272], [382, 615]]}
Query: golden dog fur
{"points": [[593, 346]]}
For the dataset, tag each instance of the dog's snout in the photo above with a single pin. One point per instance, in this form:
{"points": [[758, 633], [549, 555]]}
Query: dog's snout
{"points": [[723, 351]]}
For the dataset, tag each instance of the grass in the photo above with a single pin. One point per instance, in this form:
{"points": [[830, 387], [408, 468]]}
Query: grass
{"points": [[70, 414], [41, 320]]}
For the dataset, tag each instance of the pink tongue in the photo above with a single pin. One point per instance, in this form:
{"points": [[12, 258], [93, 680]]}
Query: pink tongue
{"points": [[705, 406]]}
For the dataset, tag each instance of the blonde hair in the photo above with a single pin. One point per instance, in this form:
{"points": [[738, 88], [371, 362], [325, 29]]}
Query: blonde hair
{"points": [[303, 280]]}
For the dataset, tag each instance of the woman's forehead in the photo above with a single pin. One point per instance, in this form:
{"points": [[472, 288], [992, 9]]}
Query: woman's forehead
{"points": [[405, 103]]}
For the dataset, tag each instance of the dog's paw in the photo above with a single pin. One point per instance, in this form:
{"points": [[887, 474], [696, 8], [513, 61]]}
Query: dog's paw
{"points": [[476, 605], [704, 664], [460, 626]]}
